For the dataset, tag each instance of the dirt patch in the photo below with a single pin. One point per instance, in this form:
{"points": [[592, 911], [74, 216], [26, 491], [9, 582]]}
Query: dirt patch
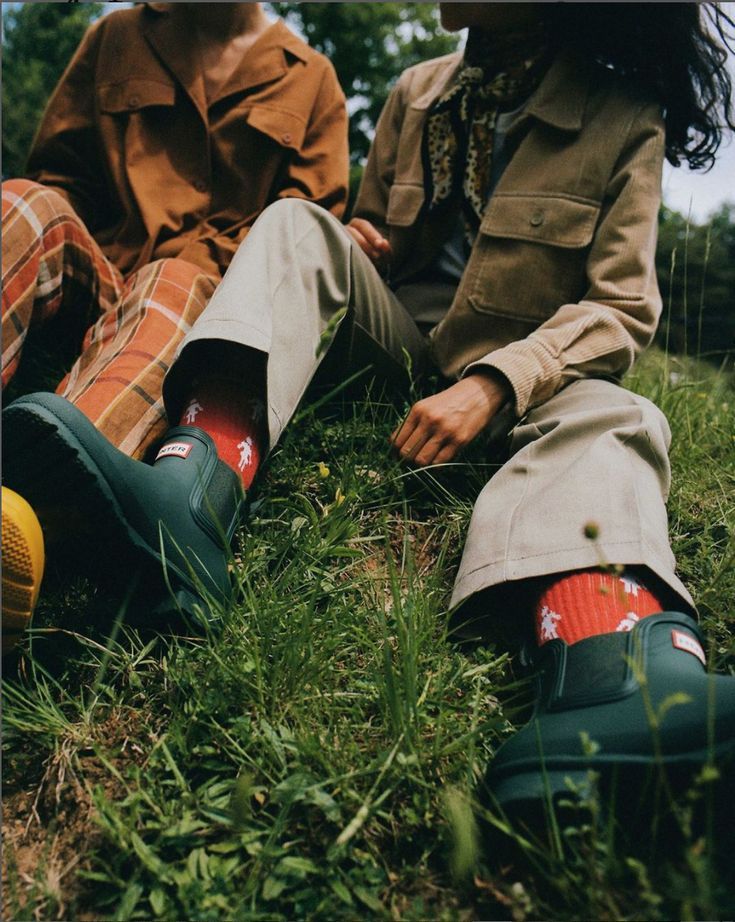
{"points": [[49, 828]]}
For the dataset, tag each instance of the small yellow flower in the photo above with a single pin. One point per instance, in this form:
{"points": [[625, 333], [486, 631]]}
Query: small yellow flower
{"points": [[339, 497], [323, 470]]}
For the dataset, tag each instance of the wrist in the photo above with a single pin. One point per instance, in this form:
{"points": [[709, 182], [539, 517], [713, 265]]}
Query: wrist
{"points": [[493, 382]]}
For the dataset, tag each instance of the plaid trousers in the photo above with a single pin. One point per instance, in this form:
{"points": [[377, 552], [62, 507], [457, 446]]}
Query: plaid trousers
{"points": [[129, 328]]}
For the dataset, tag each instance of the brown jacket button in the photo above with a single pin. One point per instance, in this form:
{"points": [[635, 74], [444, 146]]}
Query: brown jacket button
{"points": [[286, 138], [200, 185], [537, 218], [134, 101]]}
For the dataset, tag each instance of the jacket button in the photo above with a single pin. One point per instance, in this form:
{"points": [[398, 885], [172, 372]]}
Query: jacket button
{"points": [[200, 185], [286, 138], [537, 218], [134, 102]]}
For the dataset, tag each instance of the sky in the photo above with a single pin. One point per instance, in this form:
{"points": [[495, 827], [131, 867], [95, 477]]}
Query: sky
{"points": [[701, 192], [697, 193]]}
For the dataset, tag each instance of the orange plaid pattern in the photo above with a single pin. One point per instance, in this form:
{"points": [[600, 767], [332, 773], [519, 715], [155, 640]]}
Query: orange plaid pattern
{"points": [[129, 328]]}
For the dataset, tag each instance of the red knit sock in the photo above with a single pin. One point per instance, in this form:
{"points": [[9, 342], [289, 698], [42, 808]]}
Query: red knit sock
{"points": [[587, 602], [234, 416]]}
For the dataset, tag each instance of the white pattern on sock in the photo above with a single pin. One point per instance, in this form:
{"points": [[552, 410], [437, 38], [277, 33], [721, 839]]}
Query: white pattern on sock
{"points": [[547, 626], [628, 622]]}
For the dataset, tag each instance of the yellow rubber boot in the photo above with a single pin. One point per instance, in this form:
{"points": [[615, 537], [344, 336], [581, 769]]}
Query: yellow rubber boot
{"points": [[22, 560]]}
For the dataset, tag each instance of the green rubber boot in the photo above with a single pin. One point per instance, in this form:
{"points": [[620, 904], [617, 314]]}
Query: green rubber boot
{"points": [[168, 525], [630, 707]]}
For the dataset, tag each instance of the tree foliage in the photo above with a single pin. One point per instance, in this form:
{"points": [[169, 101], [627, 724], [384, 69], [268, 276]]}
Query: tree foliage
{"points": [[696, 271], [38, 42], [369, 45]]}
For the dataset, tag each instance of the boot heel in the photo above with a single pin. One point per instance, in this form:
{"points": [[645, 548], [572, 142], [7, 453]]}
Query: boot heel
{"points": [[183, 605], [535, 786]]}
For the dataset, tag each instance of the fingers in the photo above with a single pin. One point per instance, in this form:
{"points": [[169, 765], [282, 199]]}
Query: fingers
{"points": [[422, 440], [402, 433], [370, 241], [437, 428], [435, 451], [360, 241]]}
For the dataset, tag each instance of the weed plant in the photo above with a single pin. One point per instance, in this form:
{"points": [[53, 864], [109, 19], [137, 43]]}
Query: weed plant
{"points": [[317, 756]]}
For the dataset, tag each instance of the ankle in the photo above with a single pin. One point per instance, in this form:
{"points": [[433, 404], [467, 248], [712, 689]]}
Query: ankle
{"points": [[583, 603], [233, 414]]}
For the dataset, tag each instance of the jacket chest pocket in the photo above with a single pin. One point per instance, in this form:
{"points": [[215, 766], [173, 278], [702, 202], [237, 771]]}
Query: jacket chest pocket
{"points": [[265, 138], [285, 128], [405, 201], [135, 94], [530, 255]]}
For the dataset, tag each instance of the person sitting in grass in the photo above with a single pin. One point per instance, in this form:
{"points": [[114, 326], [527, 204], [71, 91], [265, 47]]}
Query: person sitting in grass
{"points": [[503, 238], [173, 127]]}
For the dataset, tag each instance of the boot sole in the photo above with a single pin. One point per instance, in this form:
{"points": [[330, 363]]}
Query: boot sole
{"points": [[528, 797], [23, 564], [47, 463]]}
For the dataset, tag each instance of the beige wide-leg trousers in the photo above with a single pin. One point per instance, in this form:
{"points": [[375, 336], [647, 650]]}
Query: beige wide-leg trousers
{"points": [[299, 290]]}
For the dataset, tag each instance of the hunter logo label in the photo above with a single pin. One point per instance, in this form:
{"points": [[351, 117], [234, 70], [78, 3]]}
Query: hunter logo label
{"points": [[175, 450], [685, 642]]}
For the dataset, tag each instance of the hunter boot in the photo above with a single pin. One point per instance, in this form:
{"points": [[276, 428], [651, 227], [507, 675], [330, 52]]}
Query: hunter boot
{"points": [[23, 563], [630, 707], [167, 525]]}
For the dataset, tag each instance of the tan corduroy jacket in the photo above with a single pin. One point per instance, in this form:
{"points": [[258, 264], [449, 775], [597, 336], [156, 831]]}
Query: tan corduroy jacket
{"points": [[560, 283], [154, 171]]}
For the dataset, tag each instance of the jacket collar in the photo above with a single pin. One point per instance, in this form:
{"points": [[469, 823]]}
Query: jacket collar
{"points": [[561, 98], [559, 101], [265, 60], [444, 77]]}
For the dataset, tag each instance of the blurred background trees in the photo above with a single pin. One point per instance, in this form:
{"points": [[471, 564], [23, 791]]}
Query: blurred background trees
{"points": [[38, 41], [696, 273], [369, 45]]}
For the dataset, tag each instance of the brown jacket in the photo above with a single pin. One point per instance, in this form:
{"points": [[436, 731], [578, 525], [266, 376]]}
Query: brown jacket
{"points": [[560, 283], [154, 172]]}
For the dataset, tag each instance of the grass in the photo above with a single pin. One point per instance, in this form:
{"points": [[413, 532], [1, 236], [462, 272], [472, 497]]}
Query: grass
{"points": [[318, 758]]}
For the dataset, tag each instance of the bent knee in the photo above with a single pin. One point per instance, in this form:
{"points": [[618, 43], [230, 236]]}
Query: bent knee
{"points": [[602, 405], [176, 271], [21, 187], [295, 211], [174, 284], [635, 410], [653, 420], [46, 204]]}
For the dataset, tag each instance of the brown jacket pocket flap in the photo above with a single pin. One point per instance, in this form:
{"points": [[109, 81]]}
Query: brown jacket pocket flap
{"points": [[551, 219], [283, 127], [135, 94], [404, 204]]}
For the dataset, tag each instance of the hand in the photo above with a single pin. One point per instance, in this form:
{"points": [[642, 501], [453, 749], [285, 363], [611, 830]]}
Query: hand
{"points": [[372, 244], [439, 427]]}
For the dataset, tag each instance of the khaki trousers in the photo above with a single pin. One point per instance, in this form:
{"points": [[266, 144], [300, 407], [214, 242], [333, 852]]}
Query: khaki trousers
{"points": [[299, 290]]}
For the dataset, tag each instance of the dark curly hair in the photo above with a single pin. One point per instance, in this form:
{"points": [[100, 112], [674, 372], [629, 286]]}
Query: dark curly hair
{"points": [[676, 52]]}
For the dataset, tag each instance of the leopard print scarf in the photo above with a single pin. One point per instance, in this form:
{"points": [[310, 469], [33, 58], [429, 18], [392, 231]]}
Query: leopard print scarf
{"points": [[497, 73]]}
